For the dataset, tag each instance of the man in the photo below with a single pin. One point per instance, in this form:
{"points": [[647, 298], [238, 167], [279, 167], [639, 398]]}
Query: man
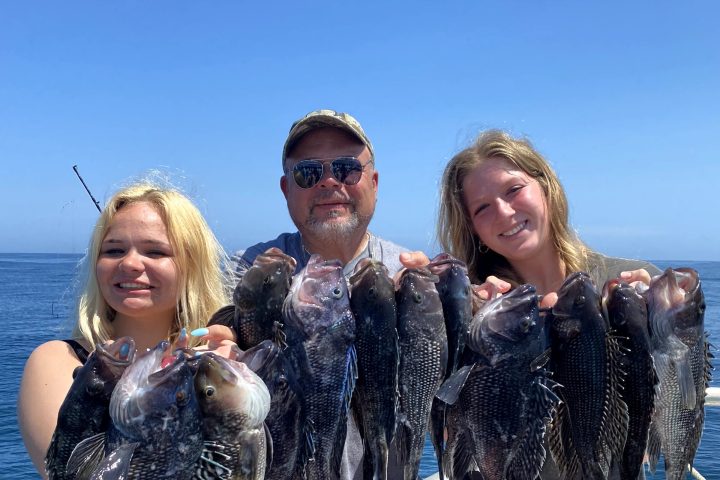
{"points": [[330, 185]]}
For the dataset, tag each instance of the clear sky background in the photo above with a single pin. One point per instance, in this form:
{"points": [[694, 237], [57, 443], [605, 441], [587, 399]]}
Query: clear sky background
{"points": [[622, 97]]}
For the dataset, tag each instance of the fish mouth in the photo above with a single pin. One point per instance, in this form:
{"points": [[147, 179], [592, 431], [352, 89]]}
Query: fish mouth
{"points": [[675, 288], [260, 355], [515, 230], [230, 371], [367, 266], [120, 353], [444, 262]]}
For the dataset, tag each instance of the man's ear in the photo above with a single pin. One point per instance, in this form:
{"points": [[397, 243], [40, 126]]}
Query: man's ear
{"points": [[284, 185]]}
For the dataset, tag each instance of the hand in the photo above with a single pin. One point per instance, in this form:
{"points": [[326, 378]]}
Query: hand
{"points": [[635, 277], [220, 340]]}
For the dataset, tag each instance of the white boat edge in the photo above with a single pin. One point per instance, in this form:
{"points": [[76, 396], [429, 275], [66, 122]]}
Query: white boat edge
{"points": [[712, 399]]}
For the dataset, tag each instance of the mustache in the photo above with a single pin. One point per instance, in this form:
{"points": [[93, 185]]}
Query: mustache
{"points": [[331, 197]]}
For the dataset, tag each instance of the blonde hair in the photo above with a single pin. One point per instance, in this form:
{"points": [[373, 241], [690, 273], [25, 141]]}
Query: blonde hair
{"points": [[196, 252], [455, 229]]}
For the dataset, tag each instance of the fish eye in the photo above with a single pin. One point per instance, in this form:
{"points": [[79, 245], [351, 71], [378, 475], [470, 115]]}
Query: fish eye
{"points": [[526, 324], [417, 297], [371, 291], [580, 300], [337, 292], [93, 388], [209, 391]]}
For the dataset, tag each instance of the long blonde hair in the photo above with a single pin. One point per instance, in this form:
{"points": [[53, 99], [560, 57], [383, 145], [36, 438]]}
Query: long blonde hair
{"points": [[196, 252], [455, 229]]}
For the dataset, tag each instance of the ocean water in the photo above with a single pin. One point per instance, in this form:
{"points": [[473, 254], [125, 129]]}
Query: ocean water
{"points": [[37, 298]]}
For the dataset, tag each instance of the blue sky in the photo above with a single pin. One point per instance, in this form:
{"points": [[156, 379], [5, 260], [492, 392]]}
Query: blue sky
{"points": [[623, 98]]}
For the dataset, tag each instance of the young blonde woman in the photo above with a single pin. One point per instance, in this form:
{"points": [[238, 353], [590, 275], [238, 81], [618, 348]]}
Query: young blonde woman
{"points": [[504, 212], [153, 268]]}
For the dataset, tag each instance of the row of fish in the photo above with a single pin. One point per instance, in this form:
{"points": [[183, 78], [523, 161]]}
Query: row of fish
{"points": [[494, 390], [600, 379], [161, 415]]}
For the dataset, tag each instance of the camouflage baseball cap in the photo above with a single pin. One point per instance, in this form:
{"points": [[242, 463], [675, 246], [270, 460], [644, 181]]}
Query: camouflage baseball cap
{"points": [[325, 118]]}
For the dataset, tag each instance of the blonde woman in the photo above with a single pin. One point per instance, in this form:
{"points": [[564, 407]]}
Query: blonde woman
{"points": [[504, 212], [153, 268]]}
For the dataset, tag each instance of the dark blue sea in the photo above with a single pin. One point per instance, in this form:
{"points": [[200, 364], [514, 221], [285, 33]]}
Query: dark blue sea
{"points": [[36, 300]]}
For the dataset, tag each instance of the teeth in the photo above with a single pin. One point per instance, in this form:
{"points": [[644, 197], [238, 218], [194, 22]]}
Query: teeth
{"points": [[514, 230], [133, 285]]}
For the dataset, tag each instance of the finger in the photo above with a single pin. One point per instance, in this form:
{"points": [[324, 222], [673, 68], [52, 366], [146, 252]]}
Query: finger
{"points": [[548, 300], [183, 340], [501, 285], [640, 275], [415, 259]]}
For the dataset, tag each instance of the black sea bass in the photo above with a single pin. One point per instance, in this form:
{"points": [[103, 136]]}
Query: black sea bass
{"points": [[676, 307], [320, 334]]}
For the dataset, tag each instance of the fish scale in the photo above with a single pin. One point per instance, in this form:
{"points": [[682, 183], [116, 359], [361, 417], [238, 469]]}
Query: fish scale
{"points": [[372, 299], [320, 335], [680, 347], [590, 427], [423, 361], [502, 400], [627, 313]]}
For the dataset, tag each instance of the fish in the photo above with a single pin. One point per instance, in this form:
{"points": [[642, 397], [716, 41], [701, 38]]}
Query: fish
{"points": [[626, 311], [423, 361], [501, 403], [590, 426], [372, 301], [287, 421], [681, 351], [320, 336], [234, 402], [456, 297], [256, 312], [156, 429], [84, 412]]}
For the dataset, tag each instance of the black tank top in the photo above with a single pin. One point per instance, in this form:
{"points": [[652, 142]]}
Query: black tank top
{"points": [[79, 350]]}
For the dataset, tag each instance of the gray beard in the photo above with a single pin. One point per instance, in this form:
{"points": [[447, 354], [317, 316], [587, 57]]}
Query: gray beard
{"points": [[331, 231]]}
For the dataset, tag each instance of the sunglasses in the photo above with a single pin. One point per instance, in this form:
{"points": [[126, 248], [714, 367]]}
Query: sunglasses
{"points": [[346, 170]]}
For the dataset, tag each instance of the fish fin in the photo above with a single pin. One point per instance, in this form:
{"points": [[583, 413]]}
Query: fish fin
{"points": [[459, 460], [212, 462], [614, 425], [561, 443], [403, 438], [679, 356], [307, 449], [437, 430], [52, 456], [116, 465], [224, 316], [249, 460], [540, 361], [86, 456], [351, 374], [530, 454], [269, 448], [653, 448], [279, 337], [450, 390]]}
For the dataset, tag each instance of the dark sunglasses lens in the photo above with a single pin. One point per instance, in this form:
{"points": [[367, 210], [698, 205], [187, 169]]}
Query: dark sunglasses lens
{"points": [[347, 170], [307, 173]]}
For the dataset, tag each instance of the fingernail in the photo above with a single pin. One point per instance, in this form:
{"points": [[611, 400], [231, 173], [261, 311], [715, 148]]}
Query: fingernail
{"points": [[197, 354], [125, 350], [199, 332], [183, 334]]}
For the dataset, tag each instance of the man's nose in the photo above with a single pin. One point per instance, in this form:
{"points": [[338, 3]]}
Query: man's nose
{"points": [[328, 180]]}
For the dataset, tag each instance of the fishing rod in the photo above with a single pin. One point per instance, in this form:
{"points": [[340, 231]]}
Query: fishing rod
{"points": [[97, 204]]}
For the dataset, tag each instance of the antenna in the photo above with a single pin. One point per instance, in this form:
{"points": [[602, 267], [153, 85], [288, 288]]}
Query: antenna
{"points": [[97, 204]]}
